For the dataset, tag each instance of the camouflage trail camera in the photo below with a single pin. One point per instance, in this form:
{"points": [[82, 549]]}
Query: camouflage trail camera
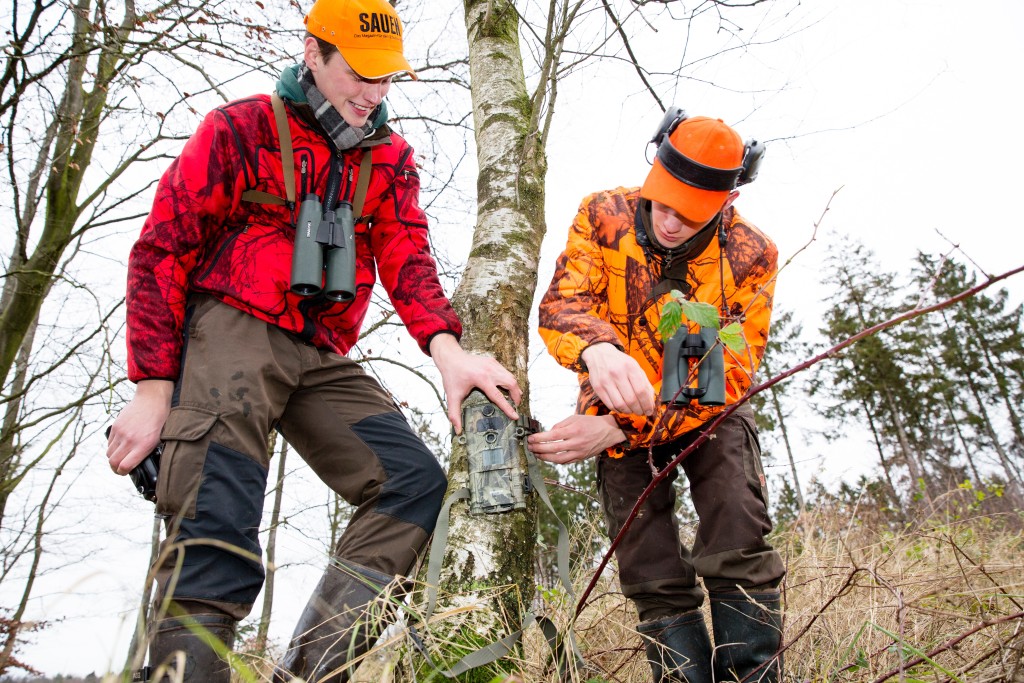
{"points": [[497, 480]]}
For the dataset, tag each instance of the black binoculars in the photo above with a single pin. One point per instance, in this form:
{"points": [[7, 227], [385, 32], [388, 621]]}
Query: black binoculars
{"points": [[675, 368], [324, 259]]}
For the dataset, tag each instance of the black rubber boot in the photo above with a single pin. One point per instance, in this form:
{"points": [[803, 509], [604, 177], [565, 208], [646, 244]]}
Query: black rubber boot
{"points": [[345, 615], [191, 635], [748, 635], [678, 648]]}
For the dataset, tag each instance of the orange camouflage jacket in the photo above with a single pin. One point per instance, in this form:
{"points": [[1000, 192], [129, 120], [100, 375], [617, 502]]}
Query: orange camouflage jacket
{"points": [[601, 291]]}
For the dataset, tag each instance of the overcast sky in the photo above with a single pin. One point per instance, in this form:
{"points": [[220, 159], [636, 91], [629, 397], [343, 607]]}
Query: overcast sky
{"points": [[910, 107], [906, 110]]}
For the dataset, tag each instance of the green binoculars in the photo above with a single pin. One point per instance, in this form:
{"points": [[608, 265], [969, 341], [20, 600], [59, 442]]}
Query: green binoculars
{"points": [[676, 387], [324, 258]]}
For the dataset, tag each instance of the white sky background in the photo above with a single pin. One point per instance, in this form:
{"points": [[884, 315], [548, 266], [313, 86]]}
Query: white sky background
{"points": [[911, 107], [908, 109]]}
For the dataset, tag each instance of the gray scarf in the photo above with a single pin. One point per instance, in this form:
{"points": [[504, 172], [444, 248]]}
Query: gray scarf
{"points": [[343, 135]]}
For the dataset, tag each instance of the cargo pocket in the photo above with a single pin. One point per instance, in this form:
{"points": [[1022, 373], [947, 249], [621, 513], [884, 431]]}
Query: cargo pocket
{"points": [[186, 437], [752, 466]]}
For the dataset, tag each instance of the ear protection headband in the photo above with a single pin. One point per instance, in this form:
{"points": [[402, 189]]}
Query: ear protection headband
{"points": [[693, 172]]}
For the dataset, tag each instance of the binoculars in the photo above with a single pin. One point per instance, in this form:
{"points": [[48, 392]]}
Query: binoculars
{"points": [[324, 259], [675, 368]]}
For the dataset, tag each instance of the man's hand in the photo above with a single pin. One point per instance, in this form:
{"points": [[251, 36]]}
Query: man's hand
{"points": [[136, 431], [461, 372], [575, 438], [618, 380]]}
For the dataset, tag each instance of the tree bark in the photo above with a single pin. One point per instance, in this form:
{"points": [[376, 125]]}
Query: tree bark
{"points": [[78, 119], [493, 299], [886, 467]]}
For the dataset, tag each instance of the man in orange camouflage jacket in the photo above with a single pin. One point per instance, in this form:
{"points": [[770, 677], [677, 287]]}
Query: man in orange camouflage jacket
{"points": [[627, 250]]}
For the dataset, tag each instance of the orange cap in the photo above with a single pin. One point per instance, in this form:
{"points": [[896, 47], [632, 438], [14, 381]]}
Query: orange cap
{"points": [[368, 33], [709, 142]]}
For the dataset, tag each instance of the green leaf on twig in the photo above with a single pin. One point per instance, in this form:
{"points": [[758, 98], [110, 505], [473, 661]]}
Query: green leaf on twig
{"points": [[732, 336], [701, 313], [678, 309], [671, 318]]}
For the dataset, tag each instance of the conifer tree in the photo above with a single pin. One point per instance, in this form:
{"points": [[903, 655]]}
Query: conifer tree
{"points": [[976, 340], [785, 348], [868, 382]]}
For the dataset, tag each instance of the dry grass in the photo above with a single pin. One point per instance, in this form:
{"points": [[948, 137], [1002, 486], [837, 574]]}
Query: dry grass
{"points": [[942, 600]]}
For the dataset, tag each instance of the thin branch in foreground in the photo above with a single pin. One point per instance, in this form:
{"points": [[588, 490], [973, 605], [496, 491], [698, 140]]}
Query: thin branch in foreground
{"points": [[949, 644], [753, 391]]}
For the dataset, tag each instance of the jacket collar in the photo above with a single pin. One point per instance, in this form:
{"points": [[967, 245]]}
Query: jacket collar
{"points": [[290, 90]]}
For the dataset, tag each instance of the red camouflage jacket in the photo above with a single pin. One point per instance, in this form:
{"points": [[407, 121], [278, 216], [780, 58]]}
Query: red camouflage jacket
{"points": [[202, 237]]}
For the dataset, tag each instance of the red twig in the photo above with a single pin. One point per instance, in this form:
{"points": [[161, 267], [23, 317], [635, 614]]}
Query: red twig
{"points": [[874, 329], [952, 642]]}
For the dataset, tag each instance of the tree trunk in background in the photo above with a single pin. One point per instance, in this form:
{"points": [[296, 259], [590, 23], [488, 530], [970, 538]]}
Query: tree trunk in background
{"points": [[894, 497], [10, 444], [271, 552], [72, 135], [494, 299], [1012, 475], [918, 475], [138, 646], [780, 421], [78, 119]]}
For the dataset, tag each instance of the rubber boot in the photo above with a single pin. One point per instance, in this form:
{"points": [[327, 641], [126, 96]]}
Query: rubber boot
{"points": [[678, 648], [748, 635], [344, 616], [191, 635]]}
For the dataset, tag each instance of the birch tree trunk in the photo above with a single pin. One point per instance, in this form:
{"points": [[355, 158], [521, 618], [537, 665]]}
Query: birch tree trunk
{"points": [[496, 552]]}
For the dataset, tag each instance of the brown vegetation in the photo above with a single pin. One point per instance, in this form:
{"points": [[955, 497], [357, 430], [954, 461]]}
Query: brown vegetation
{"points": [[941, 599]]}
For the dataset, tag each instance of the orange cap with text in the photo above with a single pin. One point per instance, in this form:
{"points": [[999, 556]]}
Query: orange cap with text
{"points": [[368, 33], [709, 142]]}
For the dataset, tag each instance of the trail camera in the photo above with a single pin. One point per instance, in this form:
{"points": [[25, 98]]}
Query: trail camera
{"points": [[497, 481]]}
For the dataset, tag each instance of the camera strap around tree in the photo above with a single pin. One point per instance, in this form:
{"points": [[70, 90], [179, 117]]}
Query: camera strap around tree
{"points": [[497, 485]]}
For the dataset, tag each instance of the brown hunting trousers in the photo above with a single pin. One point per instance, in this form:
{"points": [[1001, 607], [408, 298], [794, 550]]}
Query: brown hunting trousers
{"points": [[241, 378], [656, 571]]}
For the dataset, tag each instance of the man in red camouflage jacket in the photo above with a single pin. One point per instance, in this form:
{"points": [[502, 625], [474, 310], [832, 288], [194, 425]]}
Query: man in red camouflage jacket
{"points": [[628, 248], [223, 352]]}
